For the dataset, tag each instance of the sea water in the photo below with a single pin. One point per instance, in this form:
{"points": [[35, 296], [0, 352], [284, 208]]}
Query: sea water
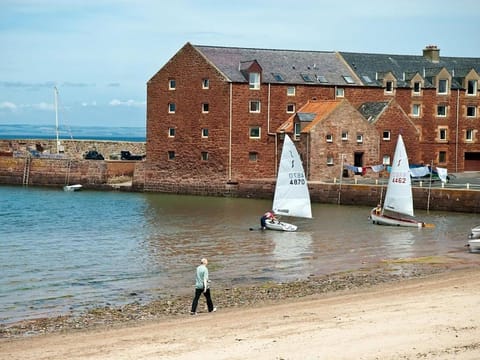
{"points": [[66, 252]]}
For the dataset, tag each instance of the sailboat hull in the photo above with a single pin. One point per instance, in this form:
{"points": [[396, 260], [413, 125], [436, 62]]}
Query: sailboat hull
{"points": [[280, 225], [380, 219]]}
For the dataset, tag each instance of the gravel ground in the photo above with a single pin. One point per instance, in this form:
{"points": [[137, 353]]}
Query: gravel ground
{"points": [[244, 296]]}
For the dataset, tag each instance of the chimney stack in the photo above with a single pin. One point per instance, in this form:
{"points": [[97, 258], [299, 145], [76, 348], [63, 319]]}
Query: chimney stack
{"points": [[432, 53]]}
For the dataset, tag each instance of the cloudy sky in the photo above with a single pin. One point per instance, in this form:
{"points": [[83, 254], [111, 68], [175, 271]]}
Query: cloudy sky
{"points": [[101, 53]]}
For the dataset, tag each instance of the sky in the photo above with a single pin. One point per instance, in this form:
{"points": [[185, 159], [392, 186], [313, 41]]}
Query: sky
{"points": [[100, 54]]}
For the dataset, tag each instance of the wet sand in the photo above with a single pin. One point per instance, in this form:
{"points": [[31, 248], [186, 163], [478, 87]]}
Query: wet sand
{"points": [[407, 309]]}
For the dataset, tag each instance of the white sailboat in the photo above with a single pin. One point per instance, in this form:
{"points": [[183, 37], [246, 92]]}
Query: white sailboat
{"points": [[67, 187], [398, 205], [292, 197]]}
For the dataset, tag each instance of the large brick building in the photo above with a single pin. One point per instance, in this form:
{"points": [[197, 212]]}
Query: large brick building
{"points": [[215, 114]]}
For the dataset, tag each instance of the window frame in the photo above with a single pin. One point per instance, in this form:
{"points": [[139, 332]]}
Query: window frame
{"points": [[416, 110], [172, 85], [469, 135], [388, 133], [205, 108], [442, 134], [171, 132], [339, 92], [256, 109], [172, 108], [255, 132], [205, 83], [291, 90], [204, 156], [439, 113], [204, 133], [474, 87], [171, 155], [417, 87], [254, 80], [474, 108], [344, 135], [290, 108], [329, 138], [442, 83]]}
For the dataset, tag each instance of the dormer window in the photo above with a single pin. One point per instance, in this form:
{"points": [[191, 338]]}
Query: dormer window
{"points": [[443, 86], [472, 87], [254, 80], [389, 86], [417, 87]]}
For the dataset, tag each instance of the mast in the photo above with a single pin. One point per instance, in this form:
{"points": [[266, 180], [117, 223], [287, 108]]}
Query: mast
{"points": [[56, 118]]}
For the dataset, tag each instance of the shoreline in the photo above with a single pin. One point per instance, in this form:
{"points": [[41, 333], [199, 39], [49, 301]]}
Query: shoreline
{"points": [[245, 296]]}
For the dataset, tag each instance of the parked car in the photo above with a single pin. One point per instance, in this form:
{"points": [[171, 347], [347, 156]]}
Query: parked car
{"points": [[127, 155], [93, 155]]}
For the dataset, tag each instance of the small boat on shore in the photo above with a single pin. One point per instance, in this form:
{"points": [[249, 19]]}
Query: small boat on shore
{"points": [[474, 232]]}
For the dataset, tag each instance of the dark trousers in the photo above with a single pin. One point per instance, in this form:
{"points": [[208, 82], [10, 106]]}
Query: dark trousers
{"points": [[199, 292]]}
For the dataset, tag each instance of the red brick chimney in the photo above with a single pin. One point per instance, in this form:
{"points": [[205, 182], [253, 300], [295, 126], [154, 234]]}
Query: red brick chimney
{"points": [[432, 53]]}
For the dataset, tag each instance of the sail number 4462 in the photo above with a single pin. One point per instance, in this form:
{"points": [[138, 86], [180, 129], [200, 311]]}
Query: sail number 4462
{"points": [[400, 180]]}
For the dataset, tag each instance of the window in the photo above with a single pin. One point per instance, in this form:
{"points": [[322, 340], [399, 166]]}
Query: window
{"points": [[329, 160], [171, 132], [348, 79], [442, 156], [255, 132], [204, 133], [417, 87], [386, 160], [441, 110], [205, 83], [171, 84], [278, 77], [297, 129], [344, 135], [339, 92], [253, 156], [171, 155], [329, 138], [442, 86], [306, 78], [416, 110], [254, 80], [291, 91], [442, 134], [359, 138], [322, 79], [386, 135], [389, 86], [290, 108], [471, 111], [204, 156], [254, 106], [469, 135], [472, 87], [205, 108], [171, 108]]}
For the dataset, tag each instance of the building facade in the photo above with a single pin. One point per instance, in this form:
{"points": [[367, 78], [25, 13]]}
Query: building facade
{"points": [[215, 114]]}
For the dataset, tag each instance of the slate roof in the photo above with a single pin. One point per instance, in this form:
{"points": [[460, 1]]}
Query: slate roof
{"points": [[281, 66], [370, 65], [372, 110]]}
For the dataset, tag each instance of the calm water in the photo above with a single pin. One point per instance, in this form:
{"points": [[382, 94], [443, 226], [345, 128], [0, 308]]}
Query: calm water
{"points": [[66, 252]]}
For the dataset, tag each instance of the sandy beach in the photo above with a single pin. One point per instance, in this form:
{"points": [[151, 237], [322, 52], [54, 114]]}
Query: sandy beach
{"points": [[426, 317]]}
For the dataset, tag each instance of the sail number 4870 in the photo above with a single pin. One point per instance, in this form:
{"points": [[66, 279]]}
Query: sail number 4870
{"points": [[399, 180], [297, 179]]}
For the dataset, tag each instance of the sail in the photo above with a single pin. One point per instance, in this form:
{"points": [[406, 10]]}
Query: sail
{"points": [[399, 190], [291, 191]]}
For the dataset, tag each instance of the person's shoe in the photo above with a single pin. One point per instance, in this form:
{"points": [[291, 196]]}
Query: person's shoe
{"points": [[214, 309], [193, 313]]}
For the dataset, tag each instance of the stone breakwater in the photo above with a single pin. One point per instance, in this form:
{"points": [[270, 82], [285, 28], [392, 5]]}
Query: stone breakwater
{"points": [[244, 296]]}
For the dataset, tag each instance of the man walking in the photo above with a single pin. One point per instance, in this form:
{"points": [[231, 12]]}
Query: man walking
{"points": [[201, 286]]}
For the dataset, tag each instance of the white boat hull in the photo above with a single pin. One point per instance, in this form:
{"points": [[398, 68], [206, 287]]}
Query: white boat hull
{"points": [[475, 233], [474, 245], [392, 221], [75, 187], [280, 226]]}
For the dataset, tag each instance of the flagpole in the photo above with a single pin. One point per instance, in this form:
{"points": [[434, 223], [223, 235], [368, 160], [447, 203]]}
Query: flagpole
{"points": [[430, 187]]}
